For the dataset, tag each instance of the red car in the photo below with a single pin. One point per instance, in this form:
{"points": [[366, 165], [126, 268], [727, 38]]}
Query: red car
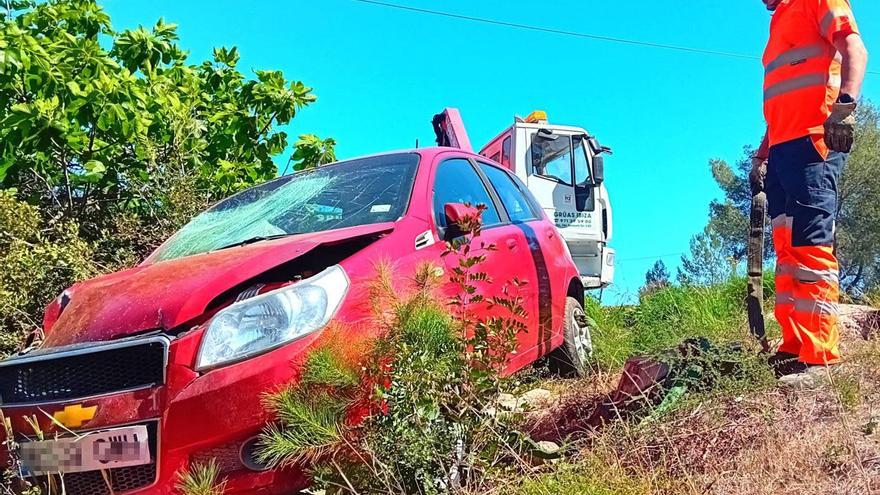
{"points": [[164, 364]]}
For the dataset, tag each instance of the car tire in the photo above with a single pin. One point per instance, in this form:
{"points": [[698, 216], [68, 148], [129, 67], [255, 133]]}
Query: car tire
{"points": [[571, 359]]}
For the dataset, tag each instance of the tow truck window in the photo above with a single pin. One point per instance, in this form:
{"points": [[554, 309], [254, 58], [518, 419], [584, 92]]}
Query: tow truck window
{"points": [[456, 181], [505, 151], [582, 173], [550, 156], [517, 206], [345, 194]]}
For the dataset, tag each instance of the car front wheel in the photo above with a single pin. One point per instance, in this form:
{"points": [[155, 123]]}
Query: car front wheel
{"points": [[571, 359]]}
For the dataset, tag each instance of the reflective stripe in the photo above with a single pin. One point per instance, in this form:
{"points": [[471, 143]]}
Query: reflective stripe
{"points": [[780, 221], [828, 308], [784, 298], [796, 55], [829, 19], [835, 80], [783, 269], [795, 84], [810, 275]]}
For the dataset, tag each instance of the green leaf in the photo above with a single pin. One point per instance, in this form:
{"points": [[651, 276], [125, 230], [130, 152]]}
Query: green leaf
{"points": [[95, 171]]}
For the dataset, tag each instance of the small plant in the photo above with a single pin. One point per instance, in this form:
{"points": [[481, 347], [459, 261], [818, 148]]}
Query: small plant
{"points": [[201, 479], [424, 388], [848, 391]]}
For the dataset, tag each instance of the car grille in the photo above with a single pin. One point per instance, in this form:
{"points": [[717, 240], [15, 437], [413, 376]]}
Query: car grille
{"points": [[121, 479], [83, 371]]}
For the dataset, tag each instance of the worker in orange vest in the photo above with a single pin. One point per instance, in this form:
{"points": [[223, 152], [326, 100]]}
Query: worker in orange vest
{"points": [[814, 66]]}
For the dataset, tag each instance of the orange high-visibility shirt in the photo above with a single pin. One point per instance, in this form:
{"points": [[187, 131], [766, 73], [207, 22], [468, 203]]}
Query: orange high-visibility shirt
{"points": [[802, 66]]}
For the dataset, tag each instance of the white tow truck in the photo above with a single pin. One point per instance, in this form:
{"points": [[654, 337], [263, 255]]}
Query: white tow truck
{"points": [[563, 167]]}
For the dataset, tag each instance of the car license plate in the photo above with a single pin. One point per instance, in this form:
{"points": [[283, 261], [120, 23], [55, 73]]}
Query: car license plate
{"points": [[93, 451]]}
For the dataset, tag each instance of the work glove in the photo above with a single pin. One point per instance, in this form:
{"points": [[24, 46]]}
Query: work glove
{"points": [[841, 127], [758, 174]]}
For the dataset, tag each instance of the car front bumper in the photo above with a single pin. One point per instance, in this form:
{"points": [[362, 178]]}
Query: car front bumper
{"points": [[191, 417]]}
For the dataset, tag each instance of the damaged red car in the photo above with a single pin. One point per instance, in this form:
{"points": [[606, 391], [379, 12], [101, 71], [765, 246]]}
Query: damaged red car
{"points": [[146, 371]]}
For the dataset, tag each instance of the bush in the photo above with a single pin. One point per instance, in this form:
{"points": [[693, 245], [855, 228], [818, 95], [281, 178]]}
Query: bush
{"points": [[111, 140], [201, 479], [37, 261], [427, 387]]}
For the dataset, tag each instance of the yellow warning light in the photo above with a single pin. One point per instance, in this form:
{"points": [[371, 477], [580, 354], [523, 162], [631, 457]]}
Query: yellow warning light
{"points": [[538, 116]]}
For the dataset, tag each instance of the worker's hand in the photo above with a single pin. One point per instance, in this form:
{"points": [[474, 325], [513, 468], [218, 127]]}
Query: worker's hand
{"points": [[758, 173], [841, 127]]}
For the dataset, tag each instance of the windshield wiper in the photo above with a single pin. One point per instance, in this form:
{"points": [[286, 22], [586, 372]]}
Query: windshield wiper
{"points": [[255, 239]]}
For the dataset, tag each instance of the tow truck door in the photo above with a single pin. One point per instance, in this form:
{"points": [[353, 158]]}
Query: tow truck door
{"points": [[558, 167]]}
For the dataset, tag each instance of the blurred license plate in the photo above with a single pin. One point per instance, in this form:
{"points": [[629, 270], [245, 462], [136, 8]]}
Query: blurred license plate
{"points": [[119, 447]]}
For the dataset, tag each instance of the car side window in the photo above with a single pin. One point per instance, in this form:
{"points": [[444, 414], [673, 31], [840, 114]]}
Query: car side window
{"points": [[517, 205], [456, 181]]}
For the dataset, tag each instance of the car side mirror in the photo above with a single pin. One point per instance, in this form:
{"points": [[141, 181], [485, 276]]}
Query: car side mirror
{"points": [[598, 169], [455, 213]]}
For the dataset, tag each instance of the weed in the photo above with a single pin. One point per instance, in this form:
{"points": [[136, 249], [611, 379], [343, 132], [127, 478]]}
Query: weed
{"points": [[835, 457], [848, 391], [594, 473]]}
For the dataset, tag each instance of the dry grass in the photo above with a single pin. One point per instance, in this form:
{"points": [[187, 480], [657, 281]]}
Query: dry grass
{"points": [[767, 440]]}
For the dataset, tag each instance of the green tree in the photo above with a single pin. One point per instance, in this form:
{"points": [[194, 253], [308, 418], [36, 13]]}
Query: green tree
{"points": [[37, 260], [858, 237], [312, 151], [657, 277], [92, 135], [110, 141], [858, 216], [708, 262]]}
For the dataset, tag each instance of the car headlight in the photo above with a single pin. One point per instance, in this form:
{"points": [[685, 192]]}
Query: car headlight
{"points": [[267, 321]]}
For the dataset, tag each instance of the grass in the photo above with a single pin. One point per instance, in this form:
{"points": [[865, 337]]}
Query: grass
{"points": [[592, 473], [731, 430], [666, 317]]}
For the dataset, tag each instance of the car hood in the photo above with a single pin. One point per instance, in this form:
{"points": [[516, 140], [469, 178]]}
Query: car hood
{"points": [[165, 295]]}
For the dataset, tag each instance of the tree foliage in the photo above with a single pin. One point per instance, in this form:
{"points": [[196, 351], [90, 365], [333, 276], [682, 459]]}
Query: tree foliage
{"points": [[37, 260], [657, 277], [708, 262], [89, 133], [858, 238], [312, 151], [115, 139]]}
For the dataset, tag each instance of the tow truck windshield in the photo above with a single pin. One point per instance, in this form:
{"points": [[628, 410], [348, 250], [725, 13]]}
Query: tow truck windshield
{"points": [[559, 157], [346, 194]]}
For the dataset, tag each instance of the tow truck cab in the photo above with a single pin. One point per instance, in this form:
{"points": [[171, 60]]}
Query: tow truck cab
{"points": [[563, 166]]}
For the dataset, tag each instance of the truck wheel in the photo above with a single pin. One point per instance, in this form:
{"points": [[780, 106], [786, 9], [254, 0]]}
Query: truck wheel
{"points": [[571, 358]]}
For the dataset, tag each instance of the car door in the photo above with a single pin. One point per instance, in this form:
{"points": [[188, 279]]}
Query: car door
{"points": [[525, 215], [458, 180]]}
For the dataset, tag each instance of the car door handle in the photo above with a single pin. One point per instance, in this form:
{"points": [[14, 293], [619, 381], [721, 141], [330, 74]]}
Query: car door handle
{"points": [[511, 244]]}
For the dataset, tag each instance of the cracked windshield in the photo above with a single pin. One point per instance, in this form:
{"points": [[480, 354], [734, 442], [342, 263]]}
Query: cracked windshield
{"points": [[347, 194]]}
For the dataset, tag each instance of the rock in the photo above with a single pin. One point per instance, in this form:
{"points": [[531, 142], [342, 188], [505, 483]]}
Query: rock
{"points": [[527, 401], [547, 448], [545, 451], [859, 322]]}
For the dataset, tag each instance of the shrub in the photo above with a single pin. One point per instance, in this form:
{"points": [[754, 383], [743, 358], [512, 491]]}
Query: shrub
{"points": [[38, 260], [427, 386], [201, 479]]}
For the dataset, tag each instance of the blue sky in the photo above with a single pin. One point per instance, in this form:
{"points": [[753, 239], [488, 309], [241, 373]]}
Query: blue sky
{"points": [[381, 74]]}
